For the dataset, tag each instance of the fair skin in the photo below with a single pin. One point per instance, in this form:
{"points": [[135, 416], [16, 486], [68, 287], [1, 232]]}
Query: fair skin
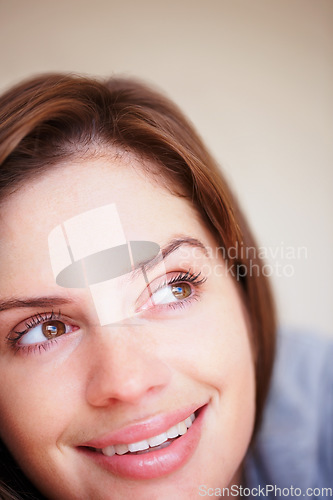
{"points": [[132, 378]]}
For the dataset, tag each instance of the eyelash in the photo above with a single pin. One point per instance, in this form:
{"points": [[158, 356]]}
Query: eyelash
{"points": [[39, 318], [183, 277], [187, 277]]}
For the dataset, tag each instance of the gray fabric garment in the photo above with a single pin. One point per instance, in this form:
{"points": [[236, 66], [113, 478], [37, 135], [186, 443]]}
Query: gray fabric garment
{"points": [[295, 444]]}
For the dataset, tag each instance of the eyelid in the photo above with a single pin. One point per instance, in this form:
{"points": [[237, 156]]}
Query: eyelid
{"points": [[37, 319], [14, 336], [174, 277]]}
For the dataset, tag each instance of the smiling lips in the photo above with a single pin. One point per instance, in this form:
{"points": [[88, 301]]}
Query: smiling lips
{"points": [[152, 452], [154, 442]]}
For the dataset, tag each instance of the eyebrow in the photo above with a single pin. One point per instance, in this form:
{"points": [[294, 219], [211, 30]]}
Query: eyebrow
{"points": [[167, 250], [52, 301], [33, 302]]}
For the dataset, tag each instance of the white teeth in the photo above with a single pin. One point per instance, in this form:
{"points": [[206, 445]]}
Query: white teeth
{"points": [[139, 446], [174, 431], [182, 429], [121, 449], [156, 440], [109, 451], [188, 422]]}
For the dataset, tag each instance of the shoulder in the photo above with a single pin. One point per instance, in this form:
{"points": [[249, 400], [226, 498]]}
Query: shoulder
{"points": [[294, 446]]}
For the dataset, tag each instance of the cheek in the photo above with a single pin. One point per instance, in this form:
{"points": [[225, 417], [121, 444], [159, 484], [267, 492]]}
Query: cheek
{"points": [[211, 351], [29, 407], [224, 364], [227, 369], [227, 359], [213, 343], [213, 354]]}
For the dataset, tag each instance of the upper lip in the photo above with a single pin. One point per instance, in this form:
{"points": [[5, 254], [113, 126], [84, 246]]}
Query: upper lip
{"points": [[144, 429]]}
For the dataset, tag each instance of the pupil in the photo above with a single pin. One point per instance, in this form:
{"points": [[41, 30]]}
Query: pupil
{"points": [[181, 291], [53, 329]]}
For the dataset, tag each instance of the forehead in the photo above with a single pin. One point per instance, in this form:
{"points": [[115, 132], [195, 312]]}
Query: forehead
{"points": [[67, 190], [146, 212]]}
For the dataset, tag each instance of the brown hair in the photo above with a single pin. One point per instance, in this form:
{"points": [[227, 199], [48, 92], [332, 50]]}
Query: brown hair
{"points": [[56, 117]]}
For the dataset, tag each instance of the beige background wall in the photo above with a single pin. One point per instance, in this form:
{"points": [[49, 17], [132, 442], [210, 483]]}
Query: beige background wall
{"points": [[255, 77]]}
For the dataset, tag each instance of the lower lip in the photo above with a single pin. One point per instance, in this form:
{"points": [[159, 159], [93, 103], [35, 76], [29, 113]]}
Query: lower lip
{"points": [[154, 463]]}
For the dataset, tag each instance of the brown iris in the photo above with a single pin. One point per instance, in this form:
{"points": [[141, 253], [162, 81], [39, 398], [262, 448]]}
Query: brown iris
{"points": [[181, 290], [52, 329]]}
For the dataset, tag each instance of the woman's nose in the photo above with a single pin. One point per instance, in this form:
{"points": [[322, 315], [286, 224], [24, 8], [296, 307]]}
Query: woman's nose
{"points": [[123, 367]]}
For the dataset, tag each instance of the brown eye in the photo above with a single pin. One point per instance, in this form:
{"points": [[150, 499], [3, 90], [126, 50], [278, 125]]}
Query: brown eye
{"points": [[181, 290], [52, 329]]}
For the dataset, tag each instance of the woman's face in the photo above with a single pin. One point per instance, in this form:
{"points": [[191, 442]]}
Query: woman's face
{"points": [[77, 396]]}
